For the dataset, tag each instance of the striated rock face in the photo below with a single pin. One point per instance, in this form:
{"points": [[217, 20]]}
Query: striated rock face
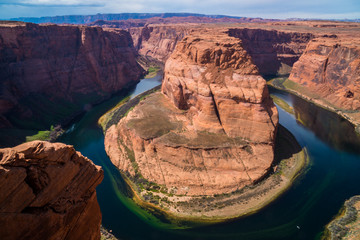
{"points": [[215, 79], [49, 72], [158, 41], [273, 52], [47, 191], [212, 128], [331, 71]]}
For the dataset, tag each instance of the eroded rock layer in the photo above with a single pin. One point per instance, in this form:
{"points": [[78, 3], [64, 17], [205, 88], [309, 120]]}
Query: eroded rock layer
{"points": [[49, 73], [212, 128], [331, 71], [158, 41], [273, 52], [47, 191]]}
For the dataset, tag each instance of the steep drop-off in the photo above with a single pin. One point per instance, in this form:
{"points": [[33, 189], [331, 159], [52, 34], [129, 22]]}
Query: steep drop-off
{"points": [[47, 191], [210, 131], [158, 41], [329, 73], [49, 73], [272, 51]]}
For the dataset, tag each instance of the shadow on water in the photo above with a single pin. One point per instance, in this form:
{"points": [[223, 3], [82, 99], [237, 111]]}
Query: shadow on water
{"points": [[328, 126]]}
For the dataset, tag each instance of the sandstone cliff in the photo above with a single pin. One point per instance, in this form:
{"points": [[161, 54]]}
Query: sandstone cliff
{"points": [[273, 52], [210, 131], [49, 73], [158, 41], [330, 70], [47, 191]]}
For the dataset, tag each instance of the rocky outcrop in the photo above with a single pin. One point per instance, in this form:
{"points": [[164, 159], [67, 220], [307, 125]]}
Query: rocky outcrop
{"points": [[210, 131], [214, 78], [47, 191], [346, 225], [49, 73], [158, 41], [274, 52], [330, 71]]}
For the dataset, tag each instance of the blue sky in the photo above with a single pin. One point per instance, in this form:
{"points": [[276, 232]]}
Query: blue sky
{"points": [[325, 9]]}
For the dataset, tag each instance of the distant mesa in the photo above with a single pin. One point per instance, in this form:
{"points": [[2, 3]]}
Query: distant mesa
{"points": [[85, 19]]}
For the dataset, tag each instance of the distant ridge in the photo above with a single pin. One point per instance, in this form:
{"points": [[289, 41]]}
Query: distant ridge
{"points": [[84, 19]]}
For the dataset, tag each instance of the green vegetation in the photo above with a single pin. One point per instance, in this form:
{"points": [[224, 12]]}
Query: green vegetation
{"points": [[152, 65], [282, 104], [41, 135], [122, 109], [152, 71], [47, 135], [104, 119]]}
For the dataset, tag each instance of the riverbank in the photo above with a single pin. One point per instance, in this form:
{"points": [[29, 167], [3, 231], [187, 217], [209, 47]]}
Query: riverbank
{"points": [[285, 84], [346, 225], [225, 207]]}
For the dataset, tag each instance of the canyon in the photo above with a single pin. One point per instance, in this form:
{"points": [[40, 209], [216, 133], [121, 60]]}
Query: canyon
{"points": [[209, 132], [321, 60], [48, 192], [51, 73]]}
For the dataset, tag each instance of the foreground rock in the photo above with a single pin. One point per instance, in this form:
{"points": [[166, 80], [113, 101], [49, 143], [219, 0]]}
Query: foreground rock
{"points": [[47, 191], [210, 132], [50, 73]]}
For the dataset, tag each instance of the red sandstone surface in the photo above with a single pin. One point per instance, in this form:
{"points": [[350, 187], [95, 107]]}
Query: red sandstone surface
{"points": [[212, 128], [325, 55], [47, 191], [49, 72]]}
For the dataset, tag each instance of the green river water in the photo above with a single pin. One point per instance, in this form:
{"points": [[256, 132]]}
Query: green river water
{"points": [[300, 213]]}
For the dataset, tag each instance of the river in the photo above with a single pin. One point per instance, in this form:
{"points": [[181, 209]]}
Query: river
{"points": [[300, 213]]}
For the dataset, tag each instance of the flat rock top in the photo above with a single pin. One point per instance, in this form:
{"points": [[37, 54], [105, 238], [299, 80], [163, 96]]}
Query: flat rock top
{"points": [[156, 117]]}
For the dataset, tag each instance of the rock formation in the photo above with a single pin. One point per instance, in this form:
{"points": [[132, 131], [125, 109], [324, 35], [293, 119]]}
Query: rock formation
{"points": [[331, 71], [158, 41], [47, 191], [274, 52], [49, 73], [210, 131], [346, 225]]}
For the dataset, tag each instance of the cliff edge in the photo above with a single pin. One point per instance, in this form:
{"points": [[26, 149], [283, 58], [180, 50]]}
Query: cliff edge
{"points": [[50, 73], [47, 191]]}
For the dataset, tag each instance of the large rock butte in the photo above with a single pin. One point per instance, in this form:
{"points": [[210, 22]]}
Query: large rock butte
{"points": [[47, 191], [210, 131], [50, 73]]}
